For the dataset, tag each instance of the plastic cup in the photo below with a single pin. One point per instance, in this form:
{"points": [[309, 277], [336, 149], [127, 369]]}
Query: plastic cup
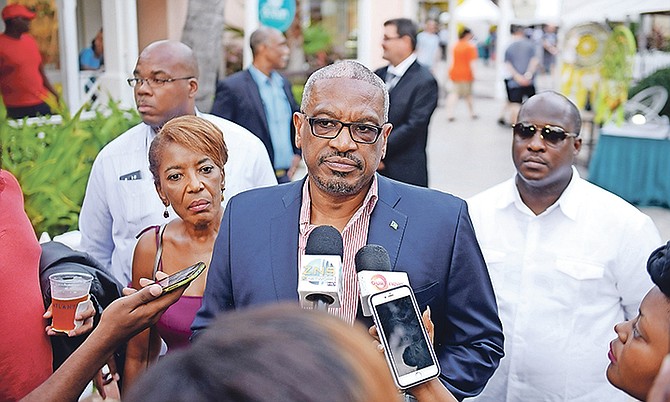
{"points": [[69, 294]]}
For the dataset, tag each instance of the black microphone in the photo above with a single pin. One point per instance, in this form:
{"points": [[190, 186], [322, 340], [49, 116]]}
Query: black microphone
{"points": [[320, 279], [373, 265]]}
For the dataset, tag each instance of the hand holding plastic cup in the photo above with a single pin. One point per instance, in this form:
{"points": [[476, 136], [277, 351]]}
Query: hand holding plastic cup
{"points": [[69, 294]]}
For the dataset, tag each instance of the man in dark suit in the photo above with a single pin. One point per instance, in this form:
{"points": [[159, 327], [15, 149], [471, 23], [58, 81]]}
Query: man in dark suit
{"points": [[342, 132], [413, 93], [261, 100]]}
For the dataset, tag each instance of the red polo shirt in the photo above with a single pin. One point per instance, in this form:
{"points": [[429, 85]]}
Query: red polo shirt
{"points": [[21, 83]]}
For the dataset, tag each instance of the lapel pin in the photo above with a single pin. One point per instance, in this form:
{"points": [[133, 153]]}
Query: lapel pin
{"points": [[394, 225]]}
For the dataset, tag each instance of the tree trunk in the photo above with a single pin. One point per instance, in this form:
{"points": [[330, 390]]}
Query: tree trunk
{"points": [[203, 32], [295, 40]]}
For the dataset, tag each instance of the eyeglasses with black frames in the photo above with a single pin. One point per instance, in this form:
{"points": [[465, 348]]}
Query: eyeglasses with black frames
{"points": [[331, 128], [153, 82], [552, 135]]}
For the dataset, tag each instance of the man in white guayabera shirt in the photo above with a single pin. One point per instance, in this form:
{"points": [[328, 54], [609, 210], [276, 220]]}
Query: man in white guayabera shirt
{"points": [[120, 197], [567, 260]]}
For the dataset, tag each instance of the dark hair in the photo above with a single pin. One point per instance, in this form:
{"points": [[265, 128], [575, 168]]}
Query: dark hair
{"points": [[658, 267], [275, 353], [464, 32], [516, 28], [192, 132], [405, 27]]}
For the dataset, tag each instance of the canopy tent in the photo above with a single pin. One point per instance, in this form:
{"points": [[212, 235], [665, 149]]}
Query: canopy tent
{"points": [[477, 10], [576, 11]]}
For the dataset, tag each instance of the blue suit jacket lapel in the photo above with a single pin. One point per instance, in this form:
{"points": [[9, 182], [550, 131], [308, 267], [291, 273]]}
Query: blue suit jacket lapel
{"points": [[387, 225], [284, 243]]}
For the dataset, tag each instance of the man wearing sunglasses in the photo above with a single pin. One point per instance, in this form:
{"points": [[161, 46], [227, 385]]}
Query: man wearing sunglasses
{"points": [[567, 261]]}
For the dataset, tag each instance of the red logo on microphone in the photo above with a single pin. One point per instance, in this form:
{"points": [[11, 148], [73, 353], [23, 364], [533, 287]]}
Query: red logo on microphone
{"points": [[379, 281]]}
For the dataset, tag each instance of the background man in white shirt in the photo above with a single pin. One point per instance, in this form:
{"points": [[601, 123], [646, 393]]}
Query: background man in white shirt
{"points": [[120, 197], [567, 262]]}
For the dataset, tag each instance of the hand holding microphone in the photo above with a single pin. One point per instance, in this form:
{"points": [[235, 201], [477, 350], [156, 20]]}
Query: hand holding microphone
{"points": [[320, 276]]}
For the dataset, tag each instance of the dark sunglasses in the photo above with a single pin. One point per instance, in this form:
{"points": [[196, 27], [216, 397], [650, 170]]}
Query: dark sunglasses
{"points": [[550, 134]]}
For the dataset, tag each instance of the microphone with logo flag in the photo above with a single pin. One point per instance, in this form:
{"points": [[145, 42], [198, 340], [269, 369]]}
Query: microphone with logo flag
{"points": [[320, 276], [374, 274]]}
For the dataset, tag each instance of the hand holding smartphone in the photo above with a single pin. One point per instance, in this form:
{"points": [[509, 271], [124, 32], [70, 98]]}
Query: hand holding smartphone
{"points": [[182, 278], [408, 349]]}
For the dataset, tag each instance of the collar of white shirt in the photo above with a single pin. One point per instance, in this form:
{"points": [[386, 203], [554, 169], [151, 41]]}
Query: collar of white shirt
{"points": [[402, 67], [567, 202]]}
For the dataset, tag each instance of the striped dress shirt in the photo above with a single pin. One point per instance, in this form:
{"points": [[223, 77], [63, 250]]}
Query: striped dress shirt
{"points": [[354, 236]]}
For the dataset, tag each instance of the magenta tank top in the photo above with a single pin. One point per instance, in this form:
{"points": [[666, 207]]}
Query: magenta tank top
{"points": [[174, 326]]}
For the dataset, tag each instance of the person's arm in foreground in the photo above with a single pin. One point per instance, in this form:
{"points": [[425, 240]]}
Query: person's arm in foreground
{"points": [[122, 319], [142, 349], [433, 390], [429, 391]]}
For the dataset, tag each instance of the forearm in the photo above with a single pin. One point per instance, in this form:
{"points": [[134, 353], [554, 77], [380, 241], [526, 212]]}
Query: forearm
{"points": [[69, 381], [47, 83], [138, 358]]}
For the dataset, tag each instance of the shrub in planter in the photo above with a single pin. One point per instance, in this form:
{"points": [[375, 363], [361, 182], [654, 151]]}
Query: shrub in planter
{"points": [[52, 162]]}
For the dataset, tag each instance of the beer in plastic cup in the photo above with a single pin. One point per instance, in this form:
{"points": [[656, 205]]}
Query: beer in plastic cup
{"points": [[69, 291]]}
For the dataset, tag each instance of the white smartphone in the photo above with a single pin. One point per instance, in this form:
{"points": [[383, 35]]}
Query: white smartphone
{"points": [[409, 351]]}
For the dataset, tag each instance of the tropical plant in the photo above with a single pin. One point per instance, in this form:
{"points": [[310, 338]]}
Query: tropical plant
{"points": [[616, 72], [203, 32], [52, 162]]}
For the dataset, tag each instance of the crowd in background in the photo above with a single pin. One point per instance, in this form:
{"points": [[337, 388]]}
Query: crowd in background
{"points": [[519, 290]]}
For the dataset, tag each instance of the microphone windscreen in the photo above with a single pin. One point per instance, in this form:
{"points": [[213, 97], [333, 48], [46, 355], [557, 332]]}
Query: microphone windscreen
{"points": [[324, 240], [658, 267], [372, 257]]}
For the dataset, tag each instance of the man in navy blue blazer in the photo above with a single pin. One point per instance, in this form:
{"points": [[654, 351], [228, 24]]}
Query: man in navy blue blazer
{"points": [[413, 97], [342, 132], [260, 100]]}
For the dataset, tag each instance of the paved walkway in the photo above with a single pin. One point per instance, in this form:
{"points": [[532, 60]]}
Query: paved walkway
{"points": [[467, 156]]}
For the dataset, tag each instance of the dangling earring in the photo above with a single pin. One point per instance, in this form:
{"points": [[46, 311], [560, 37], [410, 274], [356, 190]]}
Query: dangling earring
{"points": [[166, 213], [222, 196]]}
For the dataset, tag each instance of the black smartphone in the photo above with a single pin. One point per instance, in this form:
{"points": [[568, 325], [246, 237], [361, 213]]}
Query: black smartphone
{"points": [[408, 349], [182, 278]]}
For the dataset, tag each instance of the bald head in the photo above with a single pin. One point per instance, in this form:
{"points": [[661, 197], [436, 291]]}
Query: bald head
{"points": [[261, 36], [175, 53], [556, 108], [168, 71]]}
